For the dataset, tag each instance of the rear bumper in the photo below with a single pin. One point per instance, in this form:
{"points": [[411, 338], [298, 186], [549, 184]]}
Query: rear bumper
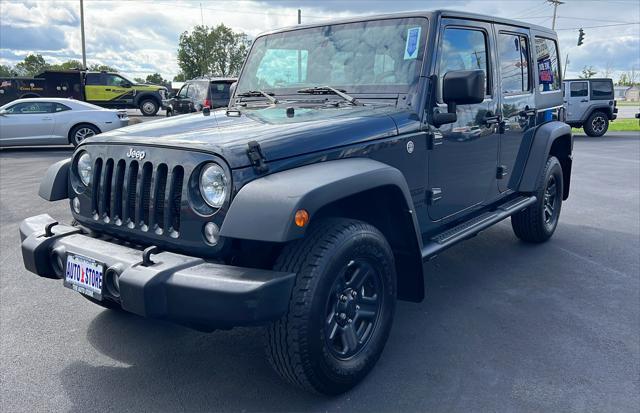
{"points": [[183, 289]]}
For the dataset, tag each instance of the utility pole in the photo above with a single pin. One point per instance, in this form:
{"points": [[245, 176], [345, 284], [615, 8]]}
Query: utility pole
{"points": [[299, 52], [84, 51], [201, 15], [566, 63], [555, 3]]}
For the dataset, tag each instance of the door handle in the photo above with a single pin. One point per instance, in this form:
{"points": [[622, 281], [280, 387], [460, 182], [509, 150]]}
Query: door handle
{"points": [[584, 100], [108, 90], [46, 118]]}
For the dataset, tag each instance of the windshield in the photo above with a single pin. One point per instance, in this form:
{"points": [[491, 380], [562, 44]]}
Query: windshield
{"points": [[382, 56]]}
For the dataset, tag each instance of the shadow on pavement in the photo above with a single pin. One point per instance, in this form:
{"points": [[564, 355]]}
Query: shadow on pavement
{"points": [[500, 328]]}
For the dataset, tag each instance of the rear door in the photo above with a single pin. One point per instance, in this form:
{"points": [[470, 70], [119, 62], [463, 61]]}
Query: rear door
{"points": [[577, 99], [462, 167], [517, 99]]}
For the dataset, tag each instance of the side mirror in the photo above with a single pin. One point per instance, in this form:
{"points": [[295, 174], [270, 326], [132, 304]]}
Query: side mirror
{"points": [[460, 87]]}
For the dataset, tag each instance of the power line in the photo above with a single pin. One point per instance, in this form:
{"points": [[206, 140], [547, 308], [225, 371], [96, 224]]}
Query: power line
{"points": [[604, 25]]}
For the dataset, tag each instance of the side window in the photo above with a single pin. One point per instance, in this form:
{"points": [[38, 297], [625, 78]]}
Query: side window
{"points": [[59, 107], [113, 80], [192, 92], [513, 53], [30, 108], [94, 79], [579, 89], [601, 90], [464, 49], [183, 91], [547, 64]]}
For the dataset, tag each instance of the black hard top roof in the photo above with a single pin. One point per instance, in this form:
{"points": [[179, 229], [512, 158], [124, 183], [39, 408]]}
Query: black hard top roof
{"points": [[431, 14]]}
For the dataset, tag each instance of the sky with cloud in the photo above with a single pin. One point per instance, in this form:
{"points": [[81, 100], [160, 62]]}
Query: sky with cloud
{"points": [[141, 37]]}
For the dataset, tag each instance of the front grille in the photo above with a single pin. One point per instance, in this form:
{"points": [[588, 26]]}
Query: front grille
{"points": [[138, 194]]}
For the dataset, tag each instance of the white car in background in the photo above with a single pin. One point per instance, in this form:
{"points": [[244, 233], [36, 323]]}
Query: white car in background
{"points": [[55, 121]]}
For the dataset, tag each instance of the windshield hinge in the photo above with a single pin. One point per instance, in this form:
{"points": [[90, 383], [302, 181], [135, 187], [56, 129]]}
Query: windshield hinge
{"points": [[256, 157]]}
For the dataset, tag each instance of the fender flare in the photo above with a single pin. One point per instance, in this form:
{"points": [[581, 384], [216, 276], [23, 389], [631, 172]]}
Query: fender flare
{"points": [[601, 107], [542, 139], [55, 184], [264, 209]]}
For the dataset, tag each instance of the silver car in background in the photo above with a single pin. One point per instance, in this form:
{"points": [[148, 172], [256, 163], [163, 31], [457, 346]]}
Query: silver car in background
{"points": [[53, 121]]}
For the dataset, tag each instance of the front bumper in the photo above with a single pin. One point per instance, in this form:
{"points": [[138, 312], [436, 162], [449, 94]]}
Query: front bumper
{"points": [[183, 289]]}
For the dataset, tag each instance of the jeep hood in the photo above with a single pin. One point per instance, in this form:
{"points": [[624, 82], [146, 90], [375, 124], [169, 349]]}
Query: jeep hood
{"points": [[280, 136]]}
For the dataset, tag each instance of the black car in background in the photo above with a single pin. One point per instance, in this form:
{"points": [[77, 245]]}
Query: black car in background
{"points": [[197, 94]]}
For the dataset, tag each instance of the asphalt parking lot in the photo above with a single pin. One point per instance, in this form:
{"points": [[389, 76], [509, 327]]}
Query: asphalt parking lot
{"points": [[506, 326]]}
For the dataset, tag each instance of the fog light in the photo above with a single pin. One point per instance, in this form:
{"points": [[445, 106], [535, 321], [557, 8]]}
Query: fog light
{"points": [[57, 261], [211, 233], [76, 205], [113, 282]]}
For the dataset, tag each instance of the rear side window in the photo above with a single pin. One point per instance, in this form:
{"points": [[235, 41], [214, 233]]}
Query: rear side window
{"points": [[30, 108], [514, 67], [464, 49], [601, 90], [547, 64], [94, 79], [579, 89], [59, 107]]}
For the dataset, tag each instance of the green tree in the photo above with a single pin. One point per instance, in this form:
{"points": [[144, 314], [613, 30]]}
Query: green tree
{"points": [[32, 65], [6, 71], [68, 65], [215, 51], [156, 79], [97, 67], [180, 77], [587, 72], [138, 80]]}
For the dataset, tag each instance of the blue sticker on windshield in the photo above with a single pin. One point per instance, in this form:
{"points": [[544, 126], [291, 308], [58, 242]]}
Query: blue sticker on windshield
{"points": [[413, 43]]}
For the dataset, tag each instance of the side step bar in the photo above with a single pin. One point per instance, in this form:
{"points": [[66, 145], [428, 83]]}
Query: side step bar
{"points": [[472, 227]]}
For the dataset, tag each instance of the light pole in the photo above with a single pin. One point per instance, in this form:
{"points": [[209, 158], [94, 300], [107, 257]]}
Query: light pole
{"points": [[84, 52]]}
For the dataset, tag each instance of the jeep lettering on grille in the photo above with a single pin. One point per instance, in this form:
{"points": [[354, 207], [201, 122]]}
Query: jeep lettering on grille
{"points": [[136, 154]]}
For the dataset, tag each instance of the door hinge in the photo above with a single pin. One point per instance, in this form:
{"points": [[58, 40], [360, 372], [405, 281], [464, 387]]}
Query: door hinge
{"points": [[434, 195], [435, 139], [257, 159], [501, 172]]}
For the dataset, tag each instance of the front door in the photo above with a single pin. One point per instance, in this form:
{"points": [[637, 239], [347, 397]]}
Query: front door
{"points": [[27, 123], [577, 99], [462, 166], [517, 105]]}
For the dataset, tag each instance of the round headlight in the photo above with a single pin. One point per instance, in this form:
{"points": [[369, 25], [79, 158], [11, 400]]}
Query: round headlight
{"points": [[85, 169], [213, 185]]}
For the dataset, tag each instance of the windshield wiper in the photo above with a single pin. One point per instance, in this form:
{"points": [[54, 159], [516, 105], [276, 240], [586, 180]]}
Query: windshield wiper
{"points": [[258, 93], [328, 90]]}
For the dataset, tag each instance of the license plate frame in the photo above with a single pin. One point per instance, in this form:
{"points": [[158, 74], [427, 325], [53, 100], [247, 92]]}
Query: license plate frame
{"points": [[84, 275]]}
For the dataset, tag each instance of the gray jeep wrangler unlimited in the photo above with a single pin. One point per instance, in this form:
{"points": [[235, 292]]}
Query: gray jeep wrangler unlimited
{"points": [[590, 104], [351, 153]]}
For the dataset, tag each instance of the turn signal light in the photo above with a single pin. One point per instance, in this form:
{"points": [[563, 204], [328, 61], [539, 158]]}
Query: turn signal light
{"points": [[302, 218]]}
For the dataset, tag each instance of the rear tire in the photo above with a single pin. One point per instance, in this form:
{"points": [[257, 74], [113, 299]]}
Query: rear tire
{"points": [[597, 124], [341, 307], [81, 132], [149, 107], [538, 222]]}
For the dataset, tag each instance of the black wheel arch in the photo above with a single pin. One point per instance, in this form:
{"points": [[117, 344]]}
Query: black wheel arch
{"points": [[357, 188], [145, 96], [551, 138]]}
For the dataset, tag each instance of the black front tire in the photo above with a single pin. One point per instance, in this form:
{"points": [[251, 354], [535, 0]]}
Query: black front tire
{"points": [[341, 308], [597, 124], [538, 222], [149, 107]]}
